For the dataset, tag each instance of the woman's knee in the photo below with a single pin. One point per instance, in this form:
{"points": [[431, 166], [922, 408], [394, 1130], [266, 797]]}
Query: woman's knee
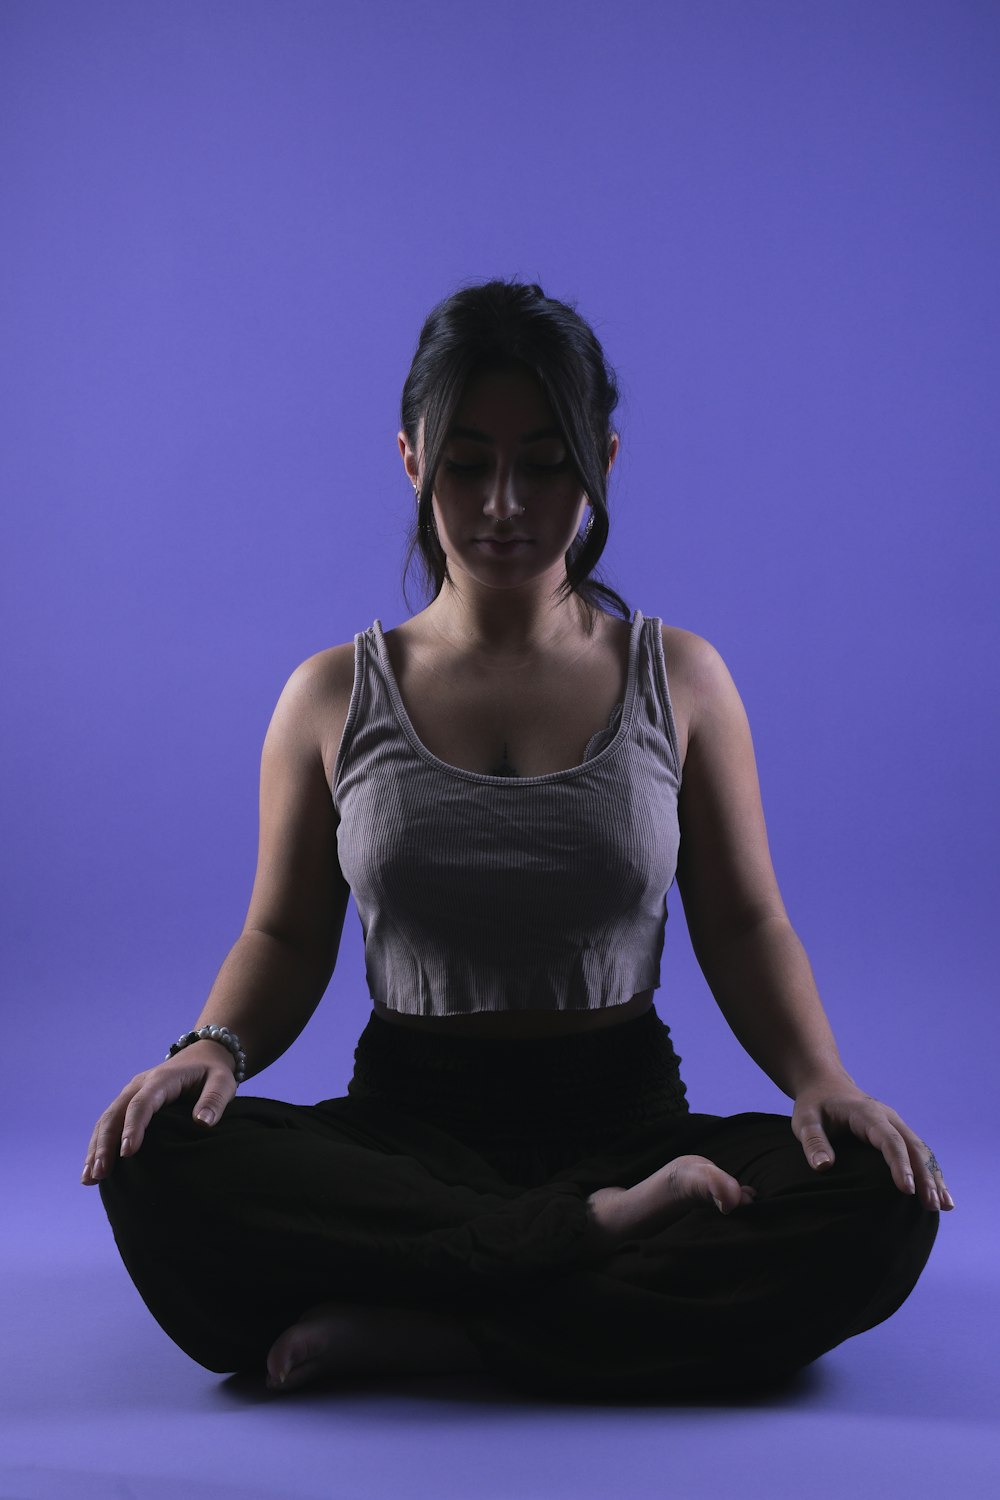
{"points": [[864, 1163], [893, 1232], [862, 1173], [145, 1179]]}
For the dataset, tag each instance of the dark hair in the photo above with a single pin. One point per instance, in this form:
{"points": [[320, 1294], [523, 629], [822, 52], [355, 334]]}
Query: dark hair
{"points": [[496, 324]]}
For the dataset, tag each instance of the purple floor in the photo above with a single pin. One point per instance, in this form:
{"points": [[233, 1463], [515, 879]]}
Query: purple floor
{"points": [[98, 1404]]}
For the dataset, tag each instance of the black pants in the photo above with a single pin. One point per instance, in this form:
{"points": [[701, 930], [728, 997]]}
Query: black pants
{"points": [[455, 1174]]}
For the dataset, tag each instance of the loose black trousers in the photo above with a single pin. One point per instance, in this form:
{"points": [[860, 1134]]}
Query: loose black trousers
{"points": [[455, 1174]]}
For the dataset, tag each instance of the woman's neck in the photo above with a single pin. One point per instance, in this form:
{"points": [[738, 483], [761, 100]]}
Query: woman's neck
{"points": [[507, 636]]}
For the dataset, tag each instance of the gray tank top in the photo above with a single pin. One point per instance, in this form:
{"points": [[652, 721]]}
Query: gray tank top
{"points": [[481, 892]]}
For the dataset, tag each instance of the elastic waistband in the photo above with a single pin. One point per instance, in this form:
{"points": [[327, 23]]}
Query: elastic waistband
{"points": [[436, 1039], [583, 1081]]}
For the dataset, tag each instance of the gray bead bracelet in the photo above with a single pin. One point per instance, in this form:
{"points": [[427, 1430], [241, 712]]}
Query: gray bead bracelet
{"points": [[214, 1034]]}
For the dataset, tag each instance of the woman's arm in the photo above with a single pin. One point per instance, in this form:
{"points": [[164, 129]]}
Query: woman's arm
{"points": [[754, 963], [764, 986], [276, 972], [278, 969], [265, 992]]}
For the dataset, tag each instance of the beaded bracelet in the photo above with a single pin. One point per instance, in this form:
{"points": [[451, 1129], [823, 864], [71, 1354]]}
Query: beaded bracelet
{"points": [[214, 1034]]}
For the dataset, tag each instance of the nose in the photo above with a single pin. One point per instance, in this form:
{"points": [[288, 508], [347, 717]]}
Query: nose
{"points": [[503, 503]]}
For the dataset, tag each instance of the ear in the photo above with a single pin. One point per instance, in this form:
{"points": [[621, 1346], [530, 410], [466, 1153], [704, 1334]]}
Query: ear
{"points": [[613, 447], [409, 458]]}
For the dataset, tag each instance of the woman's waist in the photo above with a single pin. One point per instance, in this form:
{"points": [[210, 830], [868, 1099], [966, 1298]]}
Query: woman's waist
{"points": [[615, 1070], [519, 1025]]}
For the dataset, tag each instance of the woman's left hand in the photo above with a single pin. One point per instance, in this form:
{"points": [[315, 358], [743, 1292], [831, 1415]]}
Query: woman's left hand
{"points": [[831, 1104]]}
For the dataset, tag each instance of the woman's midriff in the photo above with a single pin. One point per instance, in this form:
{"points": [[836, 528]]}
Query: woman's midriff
{"points": [[522, 1023]]}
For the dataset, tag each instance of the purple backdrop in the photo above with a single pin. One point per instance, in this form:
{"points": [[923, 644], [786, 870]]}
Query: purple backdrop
{"points": [[223, 226], [222, 223]]}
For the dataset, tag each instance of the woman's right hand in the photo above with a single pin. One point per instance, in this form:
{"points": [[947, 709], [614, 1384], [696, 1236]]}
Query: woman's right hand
{"points": [[120, 1130]]}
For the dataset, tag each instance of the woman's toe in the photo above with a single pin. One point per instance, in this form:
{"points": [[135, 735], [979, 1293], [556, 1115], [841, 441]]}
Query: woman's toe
{"points": [[299, 1374], [290, 1356]]}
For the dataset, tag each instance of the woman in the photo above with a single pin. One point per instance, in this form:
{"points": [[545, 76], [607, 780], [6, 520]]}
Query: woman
{"points": [[509, 783]]}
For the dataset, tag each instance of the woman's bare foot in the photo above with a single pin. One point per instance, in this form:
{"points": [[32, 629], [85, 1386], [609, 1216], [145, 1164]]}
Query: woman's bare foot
{"points": [[621, 1213], [335, 1338]]}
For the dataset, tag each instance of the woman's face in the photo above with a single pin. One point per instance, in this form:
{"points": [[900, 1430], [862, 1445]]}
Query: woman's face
{"points": [[505, 472]]}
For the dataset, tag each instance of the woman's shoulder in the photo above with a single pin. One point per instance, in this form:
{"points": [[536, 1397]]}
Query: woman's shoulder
{"points": [[319, 677], [699, 680], [331, 665], [689, 657], [316, 696]]}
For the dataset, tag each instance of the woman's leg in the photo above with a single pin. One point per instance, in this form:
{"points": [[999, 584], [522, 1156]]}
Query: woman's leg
{"points": [[341, 1339], [230, 1233], [713, 1302]]}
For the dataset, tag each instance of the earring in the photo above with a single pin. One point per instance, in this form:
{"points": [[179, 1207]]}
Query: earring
{"points": [[425, 528]]}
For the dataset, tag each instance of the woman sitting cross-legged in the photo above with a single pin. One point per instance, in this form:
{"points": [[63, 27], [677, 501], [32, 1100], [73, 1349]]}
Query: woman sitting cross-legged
{"points": [[509, 782]]}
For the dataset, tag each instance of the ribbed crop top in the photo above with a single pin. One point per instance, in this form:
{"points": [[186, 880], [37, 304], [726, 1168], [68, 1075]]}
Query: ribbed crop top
{"points": [[480, 892]]}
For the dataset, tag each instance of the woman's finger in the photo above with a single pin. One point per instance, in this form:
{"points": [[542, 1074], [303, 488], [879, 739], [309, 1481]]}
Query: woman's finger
{"points": [[817, 1148], [100, 1157], [121, 1129], [919, 1171], [163, 1087], [112, 1127], [932, 1165], [924, 1170], [914, 1167], [928, 1169], [884, 1136]]}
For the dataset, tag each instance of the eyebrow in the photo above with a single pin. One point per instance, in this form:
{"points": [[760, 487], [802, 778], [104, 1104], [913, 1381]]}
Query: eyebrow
{"points": [[484, 437]]}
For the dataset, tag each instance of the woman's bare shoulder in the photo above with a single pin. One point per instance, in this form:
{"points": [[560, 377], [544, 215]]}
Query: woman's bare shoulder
{"points": [[325, 670], [317, 696], [684, 646], [695, 675], [692, 657]]}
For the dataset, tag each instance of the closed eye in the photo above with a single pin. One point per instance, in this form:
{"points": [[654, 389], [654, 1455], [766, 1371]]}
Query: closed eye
{"points": [[479, 468]]}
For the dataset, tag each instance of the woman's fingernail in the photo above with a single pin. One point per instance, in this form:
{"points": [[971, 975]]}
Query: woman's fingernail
{"points": [[948, 1198], [821, 1159]]}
